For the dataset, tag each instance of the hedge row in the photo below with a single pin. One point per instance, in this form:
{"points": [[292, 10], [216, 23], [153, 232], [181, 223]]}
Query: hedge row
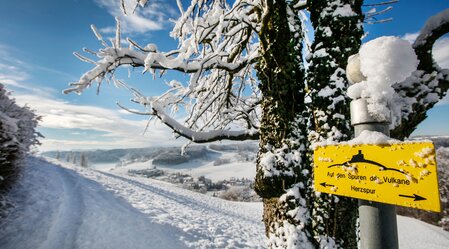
{"points": [[17, 135]]}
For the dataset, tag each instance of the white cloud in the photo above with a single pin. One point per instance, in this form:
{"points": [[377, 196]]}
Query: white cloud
{"points": [[440, 48], [118, 132], [410, 37], [15, 74], [155, 16], [10, 80], [117, 129], [131, 142], [10, 71], [441, 52]]}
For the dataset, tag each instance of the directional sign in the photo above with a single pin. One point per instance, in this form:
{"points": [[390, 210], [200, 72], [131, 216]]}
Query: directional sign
{"points": [[403, 174]]}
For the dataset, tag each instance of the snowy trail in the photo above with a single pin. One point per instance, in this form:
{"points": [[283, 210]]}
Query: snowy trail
{"points": [[68, 215], [208, 222], [57, 209]]}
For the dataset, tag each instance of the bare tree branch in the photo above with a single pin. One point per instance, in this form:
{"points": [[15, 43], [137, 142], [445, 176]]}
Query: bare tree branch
{"points": [[381, 3], [378, 21]]}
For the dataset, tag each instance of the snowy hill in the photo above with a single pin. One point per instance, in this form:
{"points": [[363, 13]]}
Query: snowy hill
{"points": [[161, 155], [62, 206], [438, 141]]}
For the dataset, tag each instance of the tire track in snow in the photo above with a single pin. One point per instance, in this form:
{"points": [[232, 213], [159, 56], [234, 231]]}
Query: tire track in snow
{"points": [[69, 216], [186, 200], [208, 222]]}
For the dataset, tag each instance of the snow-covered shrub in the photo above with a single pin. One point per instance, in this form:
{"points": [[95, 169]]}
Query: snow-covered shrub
{"points": [[240, 193], [17, 135], [221, 161]]}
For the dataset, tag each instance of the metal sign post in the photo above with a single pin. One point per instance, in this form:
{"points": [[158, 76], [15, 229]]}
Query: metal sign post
{"points": [[378, 225], [377, 173]]}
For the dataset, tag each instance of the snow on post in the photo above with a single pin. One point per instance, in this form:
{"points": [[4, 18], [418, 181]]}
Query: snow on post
{"points": [[383, 61]]}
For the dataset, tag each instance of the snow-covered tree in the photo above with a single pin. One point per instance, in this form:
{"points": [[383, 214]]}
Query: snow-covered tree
{"points": [[73, 159], [68, 156], [248, 81], [83, 160], [283, 167], [17, 135], [330, 105]]}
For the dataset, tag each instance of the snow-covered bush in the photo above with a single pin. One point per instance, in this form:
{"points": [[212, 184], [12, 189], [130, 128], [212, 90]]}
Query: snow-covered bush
{"points": [[17, 135], [240, 193], [221, 161]]}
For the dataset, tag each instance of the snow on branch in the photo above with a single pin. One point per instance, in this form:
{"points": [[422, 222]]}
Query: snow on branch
{"points": [[111, 58], [372, 14], [218, 45], [381, 3], [435, 27], [195, 136], [220, 54], [203, 137], [157, 109], [426, 86]]}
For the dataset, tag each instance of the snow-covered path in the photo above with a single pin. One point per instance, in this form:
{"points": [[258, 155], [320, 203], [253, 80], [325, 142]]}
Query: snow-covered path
{"points": [[207, 222], [58, 208]]}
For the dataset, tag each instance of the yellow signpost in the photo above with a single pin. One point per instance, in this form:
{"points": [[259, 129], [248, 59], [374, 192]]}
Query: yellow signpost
{"points": [[403, 174]]}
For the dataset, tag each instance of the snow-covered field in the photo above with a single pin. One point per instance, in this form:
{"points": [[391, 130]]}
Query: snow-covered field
{"points": [[230, 168], [63, 206]]}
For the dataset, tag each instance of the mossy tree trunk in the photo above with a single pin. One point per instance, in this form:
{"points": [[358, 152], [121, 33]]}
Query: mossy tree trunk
{"points": [[283, 169], [338, 32]]}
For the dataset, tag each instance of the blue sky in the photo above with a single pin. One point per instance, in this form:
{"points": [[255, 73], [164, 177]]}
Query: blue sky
{"points": [[37, 39]]}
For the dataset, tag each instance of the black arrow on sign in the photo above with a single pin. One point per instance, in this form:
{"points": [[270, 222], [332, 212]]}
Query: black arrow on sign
{"points": [[326, 185], [414, 196]]}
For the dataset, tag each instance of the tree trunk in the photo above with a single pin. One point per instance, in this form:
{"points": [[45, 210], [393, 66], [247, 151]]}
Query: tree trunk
{"points": [[337, 36], [283, 169]]}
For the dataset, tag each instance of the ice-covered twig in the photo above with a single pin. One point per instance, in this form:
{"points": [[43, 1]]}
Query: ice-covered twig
{"points": [[203, 137], [381, 3], [217, 46], [112, 58], [195, 136]]}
